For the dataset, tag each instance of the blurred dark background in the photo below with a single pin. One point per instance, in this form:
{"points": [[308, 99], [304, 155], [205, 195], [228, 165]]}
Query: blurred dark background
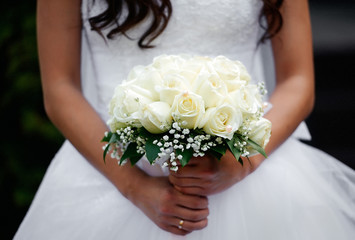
{"points": [[333, 24], [29, 141]]}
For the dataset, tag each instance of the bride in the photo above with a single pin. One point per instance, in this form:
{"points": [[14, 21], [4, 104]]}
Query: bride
{"points": [[87, 47]]}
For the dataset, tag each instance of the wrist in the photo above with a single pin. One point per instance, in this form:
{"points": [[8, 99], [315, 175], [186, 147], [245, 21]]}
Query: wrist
{"points": [[133, 189], [252, 163], [127, 179], [239, 171]]}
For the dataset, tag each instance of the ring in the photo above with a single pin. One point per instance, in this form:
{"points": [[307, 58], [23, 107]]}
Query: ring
{"points": [[180, 224]]}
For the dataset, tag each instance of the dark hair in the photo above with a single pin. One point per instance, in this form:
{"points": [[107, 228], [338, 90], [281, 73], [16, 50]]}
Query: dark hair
{"points": [[161, 11], [271, 10]]}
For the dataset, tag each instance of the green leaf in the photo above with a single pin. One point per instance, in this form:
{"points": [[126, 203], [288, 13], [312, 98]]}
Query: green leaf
{"points": [[220, 148], [131, 154], [110, 138], [215, 154], [151, 149], [114, 138], [257, 147], [236, 152], [218, 151], [249, 161], [135, 159], [143, 132], [146, 134], [107, 137], [105, 152], [186, 155], [240, 160]]}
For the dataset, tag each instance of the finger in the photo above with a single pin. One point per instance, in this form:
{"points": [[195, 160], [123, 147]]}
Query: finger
{"points": [[188, 214], [192, 202], [174, 229], [181, 226], [192, 161], [190, 226], [197, 172], [187, 181], [193, 191], [182, 170], [188, 171], [206, 159], [189, 207], [197, 160], [197, 167]]}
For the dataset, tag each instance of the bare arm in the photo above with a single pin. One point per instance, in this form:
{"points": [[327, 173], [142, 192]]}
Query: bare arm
{"points": [[292, 101], [59, 28], [293, 97], [59, 38]]}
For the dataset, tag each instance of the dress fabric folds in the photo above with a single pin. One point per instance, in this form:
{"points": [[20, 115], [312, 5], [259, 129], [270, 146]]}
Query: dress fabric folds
{"points": [[299, 192]]}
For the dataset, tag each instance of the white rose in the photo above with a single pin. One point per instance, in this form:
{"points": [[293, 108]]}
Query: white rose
{"points": [[233, 73], [260, 132], [243, 72], [247, 99], [191, 68], [182, 65], [188, 107], [115, 125], [210, 87], [144, 82], [201, 60], [172, 85], [222, 121], [135, 72], [168, 63], [156, 117], [124, 107]]}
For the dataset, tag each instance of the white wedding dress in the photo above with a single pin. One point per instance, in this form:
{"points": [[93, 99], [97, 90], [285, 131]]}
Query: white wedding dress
{"points": [[298, 193]]}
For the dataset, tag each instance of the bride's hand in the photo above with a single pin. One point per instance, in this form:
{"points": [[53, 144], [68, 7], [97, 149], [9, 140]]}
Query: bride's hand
{"points": [[166, 206], [206, 175]]}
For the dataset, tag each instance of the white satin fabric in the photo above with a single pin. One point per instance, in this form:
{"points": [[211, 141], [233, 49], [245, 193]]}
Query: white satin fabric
{"points": [[297, 193]]}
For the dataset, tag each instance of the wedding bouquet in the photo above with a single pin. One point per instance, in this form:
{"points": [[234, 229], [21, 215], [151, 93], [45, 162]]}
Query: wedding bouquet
{"points": [[182, 106]]}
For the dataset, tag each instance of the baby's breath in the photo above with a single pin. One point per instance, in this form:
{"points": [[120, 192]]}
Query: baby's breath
{"points": [[262, 88]]}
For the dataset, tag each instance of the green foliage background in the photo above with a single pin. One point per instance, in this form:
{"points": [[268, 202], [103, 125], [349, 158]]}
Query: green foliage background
{"points": [[28, 140]]}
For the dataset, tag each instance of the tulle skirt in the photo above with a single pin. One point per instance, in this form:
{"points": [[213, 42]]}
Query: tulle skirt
{"points": [[298, 193]]}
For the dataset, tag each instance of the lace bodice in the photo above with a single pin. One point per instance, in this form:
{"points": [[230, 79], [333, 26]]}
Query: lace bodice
{"points": [[201, 27]]}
